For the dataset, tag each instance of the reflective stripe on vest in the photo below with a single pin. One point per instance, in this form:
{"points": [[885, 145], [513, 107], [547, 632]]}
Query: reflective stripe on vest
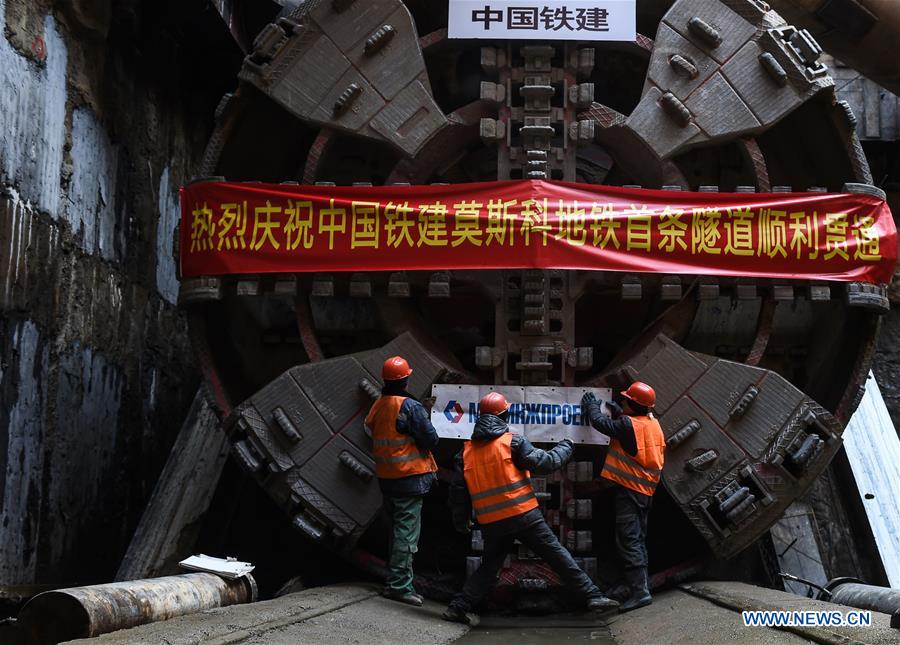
{"points": [[392, 442], [401, 460], [396, 455], [498, 488], [642, 472]]}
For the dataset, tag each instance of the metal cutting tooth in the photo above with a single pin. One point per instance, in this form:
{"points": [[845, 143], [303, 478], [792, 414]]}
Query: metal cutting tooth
{"points": [[708, 289], [285, 286], [360, 286], [322, 285], [537, 93], [492, 130], [581, 95], [631, 288], [493, 92], [398, 285], [819, 292], [868, 296], [439, 285], [202, 289], [538, 58], [783, 292], [670, 288], [582, 61], [247, 286]]}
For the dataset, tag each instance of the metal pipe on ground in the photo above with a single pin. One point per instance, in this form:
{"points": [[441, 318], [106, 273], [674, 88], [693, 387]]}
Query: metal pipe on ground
{"points": [[852, 592], [83, 612]]}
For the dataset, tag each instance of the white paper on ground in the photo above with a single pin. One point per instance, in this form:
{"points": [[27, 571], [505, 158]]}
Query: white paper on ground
{"points": [[226, 567]]}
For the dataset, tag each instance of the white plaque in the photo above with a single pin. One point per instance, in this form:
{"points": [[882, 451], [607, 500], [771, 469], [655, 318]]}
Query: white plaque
{"points": [[542, 414], [549, 20]]}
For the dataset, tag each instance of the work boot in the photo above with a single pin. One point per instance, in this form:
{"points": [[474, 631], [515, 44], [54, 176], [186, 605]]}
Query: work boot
{"points": [[640, 594], [619, 593], [456, 614], [408, 597], [601, 603]]}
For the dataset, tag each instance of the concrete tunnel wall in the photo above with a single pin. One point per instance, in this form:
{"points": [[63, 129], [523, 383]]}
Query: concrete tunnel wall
{"points": [[96, 372]]}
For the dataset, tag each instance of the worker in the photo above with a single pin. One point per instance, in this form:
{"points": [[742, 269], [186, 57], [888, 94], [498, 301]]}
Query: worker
{"points": [[402, 441], [634, 464], [491, 475]]}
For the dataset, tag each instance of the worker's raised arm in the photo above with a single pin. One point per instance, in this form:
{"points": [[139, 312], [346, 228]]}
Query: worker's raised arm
{"points": [[540, 462], [614, 425]]}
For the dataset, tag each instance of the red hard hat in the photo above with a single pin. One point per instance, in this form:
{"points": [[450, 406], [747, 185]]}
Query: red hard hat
{"points": [[640, 393], [395, 368], [493, 403]]}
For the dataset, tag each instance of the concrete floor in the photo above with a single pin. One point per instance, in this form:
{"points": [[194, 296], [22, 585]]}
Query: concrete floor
{"points": [[698, 614], [333, 614]]}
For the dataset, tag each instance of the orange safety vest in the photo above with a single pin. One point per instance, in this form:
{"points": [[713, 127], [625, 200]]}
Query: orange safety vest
{"points": [[497, 487], [640, 473], [396, 455]]}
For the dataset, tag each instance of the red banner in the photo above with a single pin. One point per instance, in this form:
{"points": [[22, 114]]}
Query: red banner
{"points": [[275, 228]]}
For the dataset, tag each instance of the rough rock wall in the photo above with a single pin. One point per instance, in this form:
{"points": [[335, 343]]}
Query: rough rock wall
{"points": [[96, 372]]}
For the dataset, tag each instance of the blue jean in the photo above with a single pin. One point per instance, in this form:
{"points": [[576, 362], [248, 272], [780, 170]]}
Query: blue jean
{"points": [[541, 539], [632, 510]]}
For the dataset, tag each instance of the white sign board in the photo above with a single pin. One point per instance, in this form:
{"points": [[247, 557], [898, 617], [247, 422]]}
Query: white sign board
{"points": [[542, 414], [547, 20]]}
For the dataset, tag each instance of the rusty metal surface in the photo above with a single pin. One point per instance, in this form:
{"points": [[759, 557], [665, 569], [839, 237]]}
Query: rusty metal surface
{"points": [[747, 72], [759, 443], [307, 330], [82, 612], [316, 64], [727, 96], [763, 332], [302, 438], [858, 32]]}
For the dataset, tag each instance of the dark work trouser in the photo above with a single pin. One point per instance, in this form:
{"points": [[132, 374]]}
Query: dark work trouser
{"points": [[406, 525], [632, 509], [543, 541]]}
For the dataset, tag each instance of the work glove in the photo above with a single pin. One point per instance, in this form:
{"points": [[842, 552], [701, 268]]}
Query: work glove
{"points": [[591, 406], [615, 410], [563, 452]]}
